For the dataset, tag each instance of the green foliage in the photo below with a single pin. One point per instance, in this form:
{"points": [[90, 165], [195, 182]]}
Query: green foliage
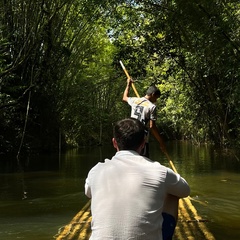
{"points": [[45, 44], [62, 59], [192, 53]]}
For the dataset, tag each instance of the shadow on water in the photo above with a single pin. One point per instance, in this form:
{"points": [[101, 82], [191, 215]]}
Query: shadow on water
{"points": [[35, 203]]}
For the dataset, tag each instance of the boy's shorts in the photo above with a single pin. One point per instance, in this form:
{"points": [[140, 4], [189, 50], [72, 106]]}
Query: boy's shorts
{"points": [[168, 226]]}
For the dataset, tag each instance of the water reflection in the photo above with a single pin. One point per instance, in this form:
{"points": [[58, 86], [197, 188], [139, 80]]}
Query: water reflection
{"points": [[35, 203]]}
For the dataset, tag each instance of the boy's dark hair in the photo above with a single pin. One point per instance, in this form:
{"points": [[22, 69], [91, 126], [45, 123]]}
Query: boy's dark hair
{"points": [[129, 134], [153, 90]]}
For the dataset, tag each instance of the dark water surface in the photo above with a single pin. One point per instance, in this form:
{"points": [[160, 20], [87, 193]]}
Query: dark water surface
{"points": [[35, 203]]}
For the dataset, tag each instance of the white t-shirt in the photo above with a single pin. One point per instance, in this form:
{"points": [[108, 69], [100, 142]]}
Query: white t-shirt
{"points": [[127, 195], [142, 109]]}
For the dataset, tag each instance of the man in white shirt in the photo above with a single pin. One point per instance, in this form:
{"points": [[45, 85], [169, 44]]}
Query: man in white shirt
{"points": [[128, 192]]}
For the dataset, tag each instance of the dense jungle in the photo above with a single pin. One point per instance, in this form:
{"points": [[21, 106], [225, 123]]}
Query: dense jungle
{"points": [[61, 82]]}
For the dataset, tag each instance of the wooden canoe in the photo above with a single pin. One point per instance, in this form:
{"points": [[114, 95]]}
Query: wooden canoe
{"points": [[189, 226]]}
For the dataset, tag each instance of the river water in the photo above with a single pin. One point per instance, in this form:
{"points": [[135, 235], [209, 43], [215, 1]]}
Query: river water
{"points": [[37, 202]]}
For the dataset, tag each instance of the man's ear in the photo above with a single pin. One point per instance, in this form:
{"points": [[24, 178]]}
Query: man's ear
{"points": [[142, 146], [143, 143], [114, 143]]}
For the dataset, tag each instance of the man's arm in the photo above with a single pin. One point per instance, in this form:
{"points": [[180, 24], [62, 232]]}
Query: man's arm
{"points": [[177, 185], [87, 189], [126, 91], [156, 134]]}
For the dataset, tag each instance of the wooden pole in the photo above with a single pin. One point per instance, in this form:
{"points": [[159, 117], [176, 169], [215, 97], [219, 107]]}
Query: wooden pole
{"points": [[136, 92], [128, 77], [187, 200]]}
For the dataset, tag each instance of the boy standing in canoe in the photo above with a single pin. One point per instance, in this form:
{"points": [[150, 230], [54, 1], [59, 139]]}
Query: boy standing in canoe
{"points": [[128, 192], [144, 109]]}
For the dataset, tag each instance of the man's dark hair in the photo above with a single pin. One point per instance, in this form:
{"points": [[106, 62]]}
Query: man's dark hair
{"points": [[129, 134], [153, 90]]}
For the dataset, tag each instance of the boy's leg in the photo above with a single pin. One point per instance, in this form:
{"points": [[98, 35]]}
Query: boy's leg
{"points": [[145, 150], [170, 216]]}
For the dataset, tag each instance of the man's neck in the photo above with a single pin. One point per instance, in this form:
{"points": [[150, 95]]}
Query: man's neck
{"points": [[147, 97]]}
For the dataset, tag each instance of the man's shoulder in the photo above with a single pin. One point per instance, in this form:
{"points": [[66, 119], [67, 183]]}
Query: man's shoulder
{"points": [[140, 101], [99, 165], [155, 164], [134, 99]]}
